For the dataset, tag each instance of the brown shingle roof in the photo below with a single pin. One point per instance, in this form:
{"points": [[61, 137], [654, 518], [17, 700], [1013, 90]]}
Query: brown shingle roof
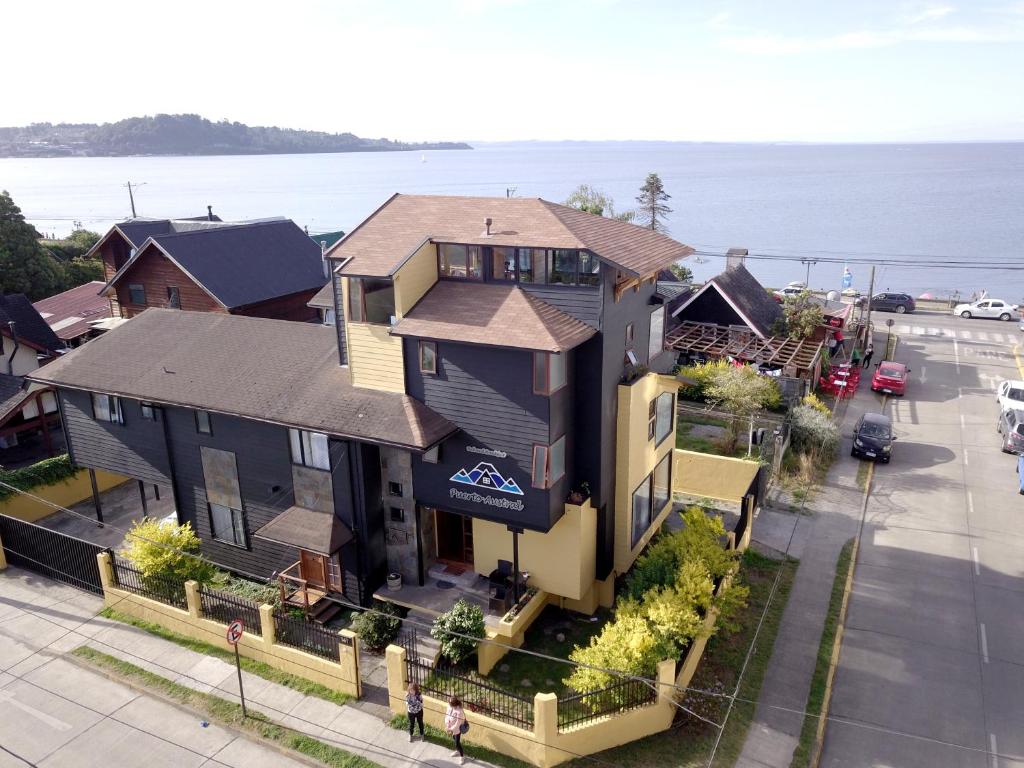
{"points": [[495, 315], [379, 245], [324, 298], [307, 529], [69, 313], [269, 370]]}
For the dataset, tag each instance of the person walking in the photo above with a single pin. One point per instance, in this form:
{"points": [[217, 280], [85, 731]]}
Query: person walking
{"points": [[414, 708], [869, 350], [456, 724]]}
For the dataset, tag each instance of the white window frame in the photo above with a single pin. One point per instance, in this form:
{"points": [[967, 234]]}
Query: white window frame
{"points": [[107, 408]]}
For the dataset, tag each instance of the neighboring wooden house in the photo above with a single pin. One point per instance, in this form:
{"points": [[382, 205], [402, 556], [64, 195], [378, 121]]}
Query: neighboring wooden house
{"points": [[26, 342], [75, 314], [265, 268]]}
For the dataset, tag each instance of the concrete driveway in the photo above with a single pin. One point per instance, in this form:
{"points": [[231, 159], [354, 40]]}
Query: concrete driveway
{"points": [[59, 715], [932, 666]]}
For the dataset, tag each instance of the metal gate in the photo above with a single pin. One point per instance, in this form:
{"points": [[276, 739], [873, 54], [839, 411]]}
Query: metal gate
{"points": [[51, 553]]}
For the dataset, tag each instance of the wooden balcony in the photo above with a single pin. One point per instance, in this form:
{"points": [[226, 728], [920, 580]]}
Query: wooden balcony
{"points": [[296, 592]]}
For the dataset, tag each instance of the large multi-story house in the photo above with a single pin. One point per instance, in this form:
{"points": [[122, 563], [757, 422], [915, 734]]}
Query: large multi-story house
{"points": [[488, 394], [266, 268]]}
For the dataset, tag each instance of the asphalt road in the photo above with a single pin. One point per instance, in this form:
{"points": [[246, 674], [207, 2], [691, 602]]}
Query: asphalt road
{"points": [[932, 663]]}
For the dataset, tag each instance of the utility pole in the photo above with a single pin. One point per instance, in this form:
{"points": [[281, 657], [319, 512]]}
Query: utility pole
{"points": [[131, 196], [871, 292], [807, 280]]}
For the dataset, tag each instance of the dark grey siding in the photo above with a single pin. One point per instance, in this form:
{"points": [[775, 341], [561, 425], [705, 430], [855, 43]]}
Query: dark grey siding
{"points": [[370, 519], [582, 303], [488, 393], [344, 507], [135, 448], [710, 307], [339, 319]]}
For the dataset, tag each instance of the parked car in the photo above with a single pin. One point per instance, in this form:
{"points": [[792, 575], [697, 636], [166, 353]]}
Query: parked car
{"points": [[789, 291], [1010, 394], [1011, 427], [873, 437], [890, 377], [893, 302], [988, 308]]}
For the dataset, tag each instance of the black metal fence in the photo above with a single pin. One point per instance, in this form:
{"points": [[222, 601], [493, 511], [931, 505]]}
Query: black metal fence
{"points": [[580, 708], [51, 553], [307, 636], [166, 590], [225, 608], [444, 682]]}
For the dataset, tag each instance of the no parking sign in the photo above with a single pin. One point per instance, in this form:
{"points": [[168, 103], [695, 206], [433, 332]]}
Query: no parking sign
{"points": [[235, 631]]}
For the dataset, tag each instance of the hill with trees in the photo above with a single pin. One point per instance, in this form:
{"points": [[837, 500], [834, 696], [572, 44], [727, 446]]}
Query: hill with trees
{"points": [[186, 135]]}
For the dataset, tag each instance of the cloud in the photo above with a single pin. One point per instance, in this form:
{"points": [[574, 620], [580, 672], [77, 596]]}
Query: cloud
{"points": [[720, 20], [929, 14]]}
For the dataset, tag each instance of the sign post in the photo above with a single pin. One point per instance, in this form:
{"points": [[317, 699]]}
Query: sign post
{"points": [[235, 630]]}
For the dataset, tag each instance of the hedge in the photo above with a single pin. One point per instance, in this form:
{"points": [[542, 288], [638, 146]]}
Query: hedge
{"points": [[46, 472]]}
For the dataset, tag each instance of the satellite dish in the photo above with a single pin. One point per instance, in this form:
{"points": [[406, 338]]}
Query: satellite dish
{"points": [[832, 296]]}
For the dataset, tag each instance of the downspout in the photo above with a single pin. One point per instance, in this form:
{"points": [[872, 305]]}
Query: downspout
{"points": [[14, 338]]}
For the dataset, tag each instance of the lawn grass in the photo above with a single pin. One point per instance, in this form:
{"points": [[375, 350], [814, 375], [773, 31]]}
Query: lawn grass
{"points": [[224, 712], [473, 751], [802, 754], [258, 668], [689, 742], [687, 441]]}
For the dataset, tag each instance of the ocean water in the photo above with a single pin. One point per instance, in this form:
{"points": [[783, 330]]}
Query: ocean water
{"points": [[917, 203]]}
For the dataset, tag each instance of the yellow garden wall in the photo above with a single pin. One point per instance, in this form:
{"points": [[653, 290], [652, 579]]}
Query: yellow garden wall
{"points": [[505, 635], [415, 278], [64, 493], [341, 675]]}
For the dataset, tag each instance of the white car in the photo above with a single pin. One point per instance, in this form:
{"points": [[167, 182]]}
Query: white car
{"points": [[1010, 394], [992, 308]]}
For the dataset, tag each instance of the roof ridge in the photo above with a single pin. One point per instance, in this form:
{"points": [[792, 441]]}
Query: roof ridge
{"points": [[221, 227]]}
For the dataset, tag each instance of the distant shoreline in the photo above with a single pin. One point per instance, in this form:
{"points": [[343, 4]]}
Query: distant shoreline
{"points": [[228, 153]]}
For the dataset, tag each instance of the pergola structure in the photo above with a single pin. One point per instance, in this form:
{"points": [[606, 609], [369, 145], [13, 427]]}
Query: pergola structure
{"points": [[798, 358]]}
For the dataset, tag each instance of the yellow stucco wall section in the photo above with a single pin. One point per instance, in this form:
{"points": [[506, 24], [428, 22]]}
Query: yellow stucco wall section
{"points": [[561, 562], [635, 458], [704, 476], [65, 493], [415, 278], [375, 357]]}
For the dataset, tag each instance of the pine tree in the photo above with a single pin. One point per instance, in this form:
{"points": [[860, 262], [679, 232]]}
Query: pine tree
{"points": [[652, 209], [24, 266]]}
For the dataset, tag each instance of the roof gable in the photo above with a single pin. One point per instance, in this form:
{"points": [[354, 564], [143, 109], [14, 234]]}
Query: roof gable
{"points": [[28, 323], [745, 295]]}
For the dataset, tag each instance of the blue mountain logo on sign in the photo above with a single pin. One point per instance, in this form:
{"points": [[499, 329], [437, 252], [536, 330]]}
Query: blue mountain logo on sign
{"points": [[484, 475]]}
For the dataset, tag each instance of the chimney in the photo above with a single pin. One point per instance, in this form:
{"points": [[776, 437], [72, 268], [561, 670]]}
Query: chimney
{"points": [[735, 257], [209, 213], [323, 258], [487, 226]]}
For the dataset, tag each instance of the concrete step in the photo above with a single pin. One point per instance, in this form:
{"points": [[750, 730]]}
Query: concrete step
{"points": [[427, 647]]}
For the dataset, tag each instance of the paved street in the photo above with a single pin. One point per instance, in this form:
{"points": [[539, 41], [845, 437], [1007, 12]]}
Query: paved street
{"points": [[934, 643]]}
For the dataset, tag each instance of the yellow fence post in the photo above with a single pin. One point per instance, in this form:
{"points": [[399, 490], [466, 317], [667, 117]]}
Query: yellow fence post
{"points": [[350, 659], [545, 727], [192, 599], [106, 566], [394, 658], [3, 557], [267, 625]]}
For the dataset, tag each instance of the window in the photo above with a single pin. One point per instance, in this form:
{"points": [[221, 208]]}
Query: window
{"points": [[630, 334], [371, 300], [433, 455], [136, 293], [462, 262], [329, 317], [394, 489], [562, 266], [650, 498], [663, 416], [228, 525], [652, 411], [531, 264], [203, 425], [173, 297], [590, 269], [656, 341], [309, 449], [503, 264], [397, 515], [107, 408], [428, 357], [548, 463], [147, 412], [549, 374]]}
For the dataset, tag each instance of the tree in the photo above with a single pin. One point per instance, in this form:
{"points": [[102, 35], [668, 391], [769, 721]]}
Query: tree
{"points": [[463, 619], [803, 316], [24, 266], [683, 274], [591, 200], [742, 392], [164, 551], [653, 210]]}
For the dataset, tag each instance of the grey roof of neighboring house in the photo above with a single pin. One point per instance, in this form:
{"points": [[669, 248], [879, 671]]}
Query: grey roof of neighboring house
{"points": [[275, 371], [138, 230], [241, 264], [12, 395], [742, 290], [28, 323]]}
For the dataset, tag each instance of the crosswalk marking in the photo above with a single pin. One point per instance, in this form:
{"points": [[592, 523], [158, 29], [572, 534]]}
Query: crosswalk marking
{"points": [[991, 337]]}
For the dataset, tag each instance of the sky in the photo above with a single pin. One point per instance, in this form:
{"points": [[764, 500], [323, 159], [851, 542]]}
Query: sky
{"points": [[512, 70]]}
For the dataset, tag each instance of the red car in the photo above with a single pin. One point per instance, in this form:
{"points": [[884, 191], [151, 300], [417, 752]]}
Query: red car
{"points": [[890, 378]]}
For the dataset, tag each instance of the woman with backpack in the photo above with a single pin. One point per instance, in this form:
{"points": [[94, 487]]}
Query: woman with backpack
{"points": [[456, 724]]}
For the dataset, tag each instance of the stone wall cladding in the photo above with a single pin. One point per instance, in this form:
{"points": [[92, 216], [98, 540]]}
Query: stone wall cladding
{"points": [[403, 558]]}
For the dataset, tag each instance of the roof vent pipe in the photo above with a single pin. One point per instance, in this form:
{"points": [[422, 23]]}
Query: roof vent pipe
{"points": [[209, 213], [487, 226], [14, 338]]}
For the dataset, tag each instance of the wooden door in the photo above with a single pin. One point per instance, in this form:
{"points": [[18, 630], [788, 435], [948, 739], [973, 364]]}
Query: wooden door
{"points": [[313, 568], [454, 538]]}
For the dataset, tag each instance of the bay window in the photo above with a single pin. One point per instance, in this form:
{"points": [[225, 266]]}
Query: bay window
{"points": [[549, 374], [371, 300]]}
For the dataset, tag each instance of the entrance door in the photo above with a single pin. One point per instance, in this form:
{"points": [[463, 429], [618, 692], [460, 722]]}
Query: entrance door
{"points": [[313, 568], [454, 538]]}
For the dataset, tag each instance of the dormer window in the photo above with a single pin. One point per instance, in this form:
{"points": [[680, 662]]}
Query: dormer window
{"points": [[370, 300], [462, 262]]}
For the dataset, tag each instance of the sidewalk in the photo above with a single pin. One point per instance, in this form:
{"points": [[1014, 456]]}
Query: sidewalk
{"points": [[32, 598], [816, 537]]}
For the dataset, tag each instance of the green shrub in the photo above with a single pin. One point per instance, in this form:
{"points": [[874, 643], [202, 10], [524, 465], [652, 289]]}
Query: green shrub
{"points": [[813, 432], [260, 592], [166, 551], [45, 472], [811, 400], [465, 619], [701, 376], [379, 627]]}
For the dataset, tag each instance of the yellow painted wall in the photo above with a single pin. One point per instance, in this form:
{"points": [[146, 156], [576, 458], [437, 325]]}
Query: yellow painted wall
{"points": [[415, 278], [65, 493], [561, 562], [26, 359], [706, 476], [635, 458], [375, 358]]}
